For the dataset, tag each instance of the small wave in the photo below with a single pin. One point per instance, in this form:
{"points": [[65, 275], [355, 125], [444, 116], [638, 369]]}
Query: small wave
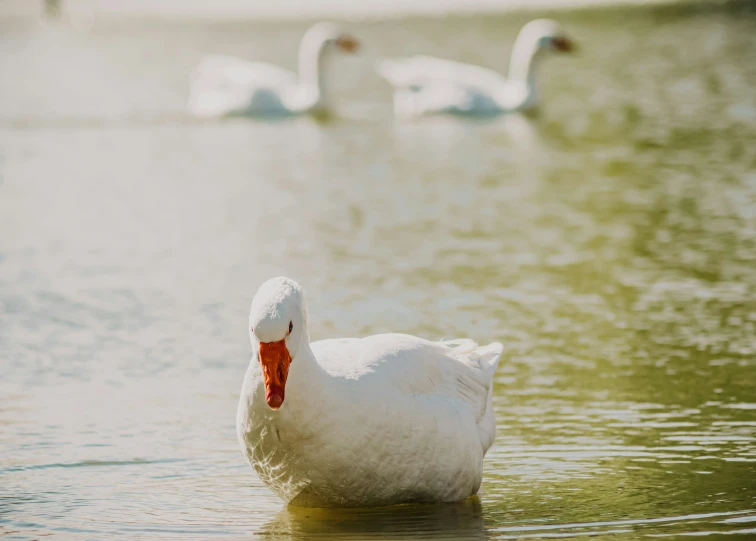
{"points": [[90, 463]]}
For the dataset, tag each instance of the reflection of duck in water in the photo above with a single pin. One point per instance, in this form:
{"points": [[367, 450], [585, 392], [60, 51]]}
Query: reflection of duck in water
{"points": [[52, 8], [362, 422], [442, 140], [461, 520]]}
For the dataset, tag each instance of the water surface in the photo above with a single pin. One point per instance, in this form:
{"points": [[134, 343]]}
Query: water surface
{"points": [[609, 243]]}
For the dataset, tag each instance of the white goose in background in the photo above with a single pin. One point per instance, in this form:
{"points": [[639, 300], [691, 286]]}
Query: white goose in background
{"points": [[367, 422], [224, 85], [427, 85]]}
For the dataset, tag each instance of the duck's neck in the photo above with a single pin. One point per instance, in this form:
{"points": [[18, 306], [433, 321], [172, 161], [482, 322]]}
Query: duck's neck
{"points": [[311, 53], [306, 379], [523, 65]]}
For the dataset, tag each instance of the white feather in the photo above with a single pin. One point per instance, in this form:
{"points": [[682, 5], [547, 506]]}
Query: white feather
{"points": [[386, 419], [426, 85], [224, 85]]}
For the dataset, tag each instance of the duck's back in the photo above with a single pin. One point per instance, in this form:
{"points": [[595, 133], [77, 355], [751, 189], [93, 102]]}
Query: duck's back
{"points": [[455, 373], [412, 422], [399, 419]]}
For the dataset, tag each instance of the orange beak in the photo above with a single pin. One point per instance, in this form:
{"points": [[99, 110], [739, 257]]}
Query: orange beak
{"points": [[275, 361], [348, 44], [564, 45]]}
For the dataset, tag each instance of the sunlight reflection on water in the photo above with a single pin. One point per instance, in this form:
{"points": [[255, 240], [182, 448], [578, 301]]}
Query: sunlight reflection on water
{"points": [[608, 242]]}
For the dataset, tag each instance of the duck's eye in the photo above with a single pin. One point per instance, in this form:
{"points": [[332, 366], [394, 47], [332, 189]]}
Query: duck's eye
{"points": [[251, 329], [291, 326]]}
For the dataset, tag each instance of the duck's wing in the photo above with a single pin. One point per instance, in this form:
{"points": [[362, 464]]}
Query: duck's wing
{"points": [[483, 360], [419, 71], [449, 98], [459, 370], [487, 357], [223, 84], [236, 70]]}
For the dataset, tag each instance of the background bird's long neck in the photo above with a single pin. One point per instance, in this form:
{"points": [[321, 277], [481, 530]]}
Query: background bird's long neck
{"points": [[311, 52], [524, 61], [523, 72]]}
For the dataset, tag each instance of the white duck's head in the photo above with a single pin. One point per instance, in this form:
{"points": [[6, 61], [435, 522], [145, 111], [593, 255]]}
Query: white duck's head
{"points": [[277, 327], [546, 34], [326, 33], [535, 37]]}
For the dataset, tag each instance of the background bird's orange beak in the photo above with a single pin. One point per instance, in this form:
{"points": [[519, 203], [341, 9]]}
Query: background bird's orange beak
{"points": [[564, 45], [348, 44], [275, 361]]}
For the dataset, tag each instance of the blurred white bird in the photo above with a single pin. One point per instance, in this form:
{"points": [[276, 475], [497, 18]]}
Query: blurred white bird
{"points": [[224, 85], [426, 85]]}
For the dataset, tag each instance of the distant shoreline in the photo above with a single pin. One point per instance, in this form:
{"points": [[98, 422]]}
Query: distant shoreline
{"points": [[225, 10]]}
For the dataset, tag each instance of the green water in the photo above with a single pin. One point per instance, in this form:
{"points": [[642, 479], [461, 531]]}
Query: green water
{"points": [[609, 242]]}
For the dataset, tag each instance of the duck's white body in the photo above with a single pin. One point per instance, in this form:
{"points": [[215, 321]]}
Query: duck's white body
{"points": [[426, 85], [368, 422], [225, 85]]}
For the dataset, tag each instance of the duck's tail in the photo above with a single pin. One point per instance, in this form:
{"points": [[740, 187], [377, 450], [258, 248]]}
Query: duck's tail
{"points": [[390, 70], [490, 356], [487, 356], [488, 359]]}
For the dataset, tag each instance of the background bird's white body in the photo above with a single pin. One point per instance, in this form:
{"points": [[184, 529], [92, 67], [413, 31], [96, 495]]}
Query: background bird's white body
{"points": [[224, 85], [387, 419], [427, 85]]}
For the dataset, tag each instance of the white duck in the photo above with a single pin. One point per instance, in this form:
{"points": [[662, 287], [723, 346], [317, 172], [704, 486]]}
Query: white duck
{"points": [[426, 85], [224, 85], [363, 422]]}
